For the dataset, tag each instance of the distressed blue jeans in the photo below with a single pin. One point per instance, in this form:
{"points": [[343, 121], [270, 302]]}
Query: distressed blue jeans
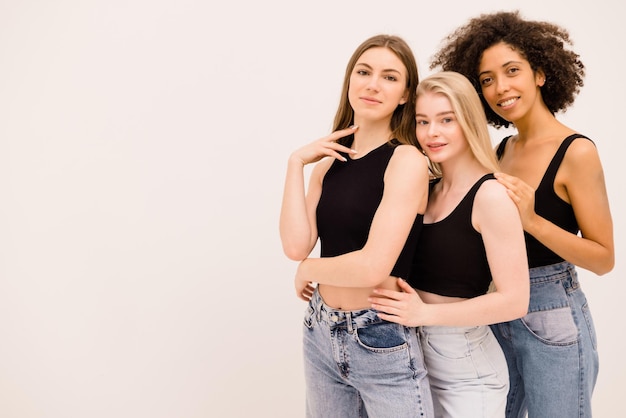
{"points": [[552, 351], [357, 365]]}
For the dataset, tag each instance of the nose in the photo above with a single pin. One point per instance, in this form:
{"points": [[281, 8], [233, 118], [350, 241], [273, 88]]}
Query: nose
{"points": [[502, 85], [433, 130], [373, 83]]}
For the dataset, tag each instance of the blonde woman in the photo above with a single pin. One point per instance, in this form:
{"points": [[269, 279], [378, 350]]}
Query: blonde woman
{"points": [[472, 237]]}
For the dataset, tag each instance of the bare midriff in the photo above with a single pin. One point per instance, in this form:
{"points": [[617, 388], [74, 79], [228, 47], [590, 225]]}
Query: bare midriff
{"points": [[353, 298]]}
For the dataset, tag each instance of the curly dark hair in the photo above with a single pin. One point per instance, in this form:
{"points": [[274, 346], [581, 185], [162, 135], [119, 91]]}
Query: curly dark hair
{"points": [[542, 44]]}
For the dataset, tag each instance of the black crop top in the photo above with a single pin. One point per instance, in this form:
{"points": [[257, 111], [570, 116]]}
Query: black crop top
{"points": [[351, 193], [549, 206], [450, 259]]}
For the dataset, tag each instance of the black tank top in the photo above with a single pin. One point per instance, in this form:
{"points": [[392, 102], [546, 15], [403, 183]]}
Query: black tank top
{"points": [[549, 206], [351, 193], [450, 259]]}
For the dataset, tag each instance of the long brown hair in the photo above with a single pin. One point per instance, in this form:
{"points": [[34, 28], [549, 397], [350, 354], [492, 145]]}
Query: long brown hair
{"points": [[403, 118]]}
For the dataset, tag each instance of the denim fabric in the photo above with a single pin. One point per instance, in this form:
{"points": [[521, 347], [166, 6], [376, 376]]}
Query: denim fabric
{"points": [[467, 371], [552, 351], [357, 365]]}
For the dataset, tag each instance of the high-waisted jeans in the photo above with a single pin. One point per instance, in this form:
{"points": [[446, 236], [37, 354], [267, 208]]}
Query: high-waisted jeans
{"points": [[552, 351], [467, 371], [357, 365]]}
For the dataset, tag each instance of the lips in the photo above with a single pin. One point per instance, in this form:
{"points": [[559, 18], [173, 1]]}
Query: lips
{"points": [[508, 102], [370, 100]]}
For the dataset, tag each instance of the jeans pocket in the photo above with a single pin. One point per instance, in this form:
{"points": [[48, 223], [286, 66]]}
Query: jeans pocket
{"points": [[382, 337], [452, 346], [552, 327]]}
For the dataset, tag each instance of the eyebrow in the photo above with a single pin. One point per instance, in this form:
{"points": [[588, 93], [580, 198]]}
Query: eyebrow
{"points": [[385, 70], [502, 66], [447, 112]]}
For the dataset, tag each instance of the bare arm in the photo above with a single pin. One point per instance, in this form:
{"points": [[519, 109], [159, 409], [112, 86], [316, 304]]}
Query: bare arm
{"points": [[405, 195], [298, 229], [496, 218], [582, 174]]}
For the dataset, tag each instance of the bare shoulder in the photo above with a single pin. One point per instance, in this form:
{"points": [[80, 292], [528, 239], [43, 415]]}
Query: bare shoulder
{"points": [[493, 208], [409, 154], [581, 161], [492, 196], [581, 149]]}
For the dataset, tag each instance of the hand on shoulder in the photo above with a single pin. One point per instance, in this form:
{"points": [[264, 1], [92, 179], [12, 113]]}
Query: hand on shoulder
{"points": [[493, 203]]}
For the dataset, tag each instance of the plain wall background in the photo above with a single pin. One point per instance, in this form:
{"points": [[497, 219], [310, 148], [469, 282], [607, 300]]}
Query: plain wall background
{"points": [[143, 146]]}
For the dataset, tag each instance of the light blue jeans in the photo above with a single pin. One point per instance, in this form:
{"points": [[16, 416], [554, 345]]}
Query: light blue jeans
{"points": [[552, 351], [357, 365], [467, 371]]}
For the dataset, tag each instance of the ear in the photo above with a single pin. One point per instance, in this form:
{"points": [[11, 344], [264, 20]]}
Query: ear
{"points": [[540, 77], [404, 98]]}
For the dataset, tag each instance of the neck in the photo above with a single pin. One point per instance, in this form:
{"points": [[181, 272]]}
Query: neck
{"points": [[461, 175], [370, 136], [537, 124]]}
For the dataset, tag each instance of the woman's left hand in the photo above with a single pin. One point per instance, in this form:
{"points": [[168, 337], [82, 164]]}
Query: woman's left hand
{"points": [[304, 289], [404, 308]]}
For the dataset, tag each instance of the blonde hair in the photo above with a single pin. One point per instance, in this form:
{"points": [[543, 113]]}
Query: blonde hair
{"points": [[469, 113]]}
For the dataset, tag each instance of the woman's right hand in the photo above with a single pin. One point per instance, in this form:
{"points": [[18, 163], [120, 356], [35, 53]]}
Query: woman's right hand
{"points": [[324, 147], [522, 195], [404, 307]]}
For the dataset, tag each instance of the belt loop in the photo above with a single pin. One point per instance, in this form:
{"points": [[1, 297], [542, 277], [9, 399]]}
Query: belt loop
{"points": [[349, 322]]}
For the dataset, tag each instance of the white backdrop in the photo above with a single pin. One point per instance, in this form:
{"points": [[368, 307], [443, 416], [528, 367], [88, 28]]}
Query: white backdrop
{"points": [[143, 145]]}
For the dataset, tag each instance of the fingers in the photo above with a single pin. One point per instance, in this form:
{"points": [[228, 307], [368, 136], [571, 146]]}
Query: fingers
{"points": [[304, 296], [337, 135], [405, 286], [341, 133], [506, 180], [325, 147], [389, 305], [306, 293], [391, 318], [513, 195], [381, 305], [390, 294], [515, 188], [513, 183]]}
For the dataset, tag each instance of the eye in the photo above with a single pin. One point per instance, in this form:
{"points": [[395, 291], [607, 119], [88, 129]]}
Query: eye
{"points": [[486, 81], [421, 122], [446, 120], [362, 72], [391, 78], [512, 70]]}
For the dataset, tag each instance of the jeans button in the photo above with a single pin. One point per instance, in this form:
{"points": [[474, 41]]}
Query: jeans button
{"points": [[334, 318]]}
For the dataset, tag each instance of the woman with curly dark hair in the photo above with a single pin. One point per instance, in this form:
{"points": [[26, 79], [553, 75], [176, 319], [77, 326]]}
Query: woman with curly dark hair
{"points": [[525, 75]]}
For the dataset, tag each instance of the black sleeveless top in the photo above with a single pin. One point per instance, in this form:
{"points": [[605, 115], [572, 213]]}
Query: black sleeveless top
{"points": [[450, 259], [351, 193], [549, 206]]}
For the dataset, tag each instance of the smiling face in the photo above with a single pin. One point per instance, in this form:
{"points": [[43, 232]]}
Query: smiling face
{"points": [[377, 84], [437, 128], [508, 83]]}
